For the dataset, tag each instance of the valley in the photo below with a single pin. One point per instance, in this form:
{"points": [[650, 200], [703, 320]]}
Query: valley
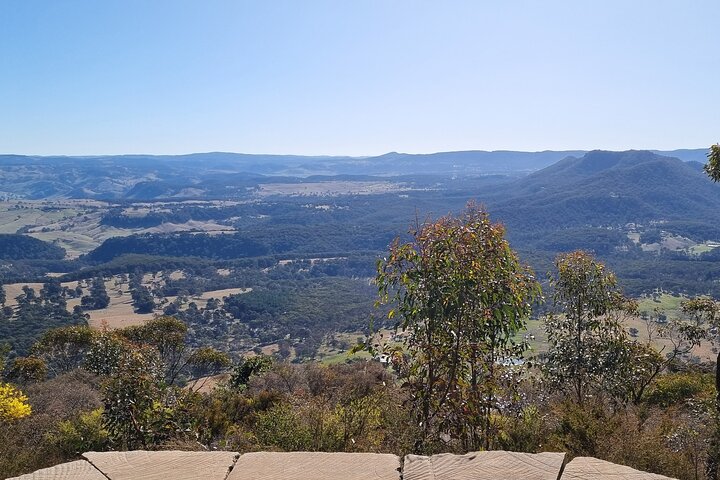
{"points": [[266, 269]]}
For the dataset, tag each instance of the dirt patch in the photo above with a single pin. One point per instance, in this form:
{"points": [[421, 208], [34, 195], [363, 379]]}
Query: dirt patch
{"points": [[177, 275], [208, 384]]}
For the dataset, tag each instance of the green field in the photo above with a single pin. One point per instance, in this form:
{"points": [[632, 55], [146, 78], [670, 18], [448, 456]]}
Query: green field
{"points": [[701, 248], [666, 303]]}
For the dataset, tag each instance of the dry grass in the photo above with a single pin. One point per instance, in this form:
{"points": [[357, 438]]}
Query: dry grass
{"points": [[177, 275], [208, 384]]}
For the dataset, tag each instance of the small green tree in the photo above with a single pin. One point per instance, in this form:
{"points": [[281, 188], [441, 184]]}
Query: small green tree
{"points": [[589, 351], [247, 368], [204, 363], [461, 294], [712, 167], [98, 297], [130, 397], [168, 336], [64, 348]]}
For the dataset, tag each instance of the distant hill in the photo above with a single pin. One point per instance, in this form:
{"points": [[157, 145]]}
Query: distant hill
{"points": [[608, 188], [233, 175], [228, 175]]}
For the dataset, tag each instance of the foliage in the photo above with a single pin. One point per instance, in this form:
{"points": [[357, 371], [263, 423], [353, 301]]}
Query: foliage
{"points": [[247, 368], [25, 445], [13, 403], [461, 296], [712, 167], [205, 362], [130, 400], [674, 389], [142, 407], [64, 349], [589, 351], [338, 408], [98, 297], [166, 335], [23, 247], [106, 352], [84, 433], [27, 369]]}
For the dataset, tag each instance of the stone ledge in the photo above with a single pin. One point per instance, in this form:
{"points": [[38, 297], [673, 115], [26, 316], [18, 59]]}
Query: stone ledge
{"points": [[491, 465]]}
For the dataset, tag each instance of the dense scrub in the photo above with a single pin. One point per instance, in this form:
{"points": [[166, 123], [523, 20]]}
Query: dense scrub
{"points": [[355, 407]]}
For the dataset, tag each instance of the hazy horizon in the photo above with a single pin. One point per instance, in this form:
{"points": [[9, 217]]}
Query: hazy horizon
{"points": [[140, 154]]}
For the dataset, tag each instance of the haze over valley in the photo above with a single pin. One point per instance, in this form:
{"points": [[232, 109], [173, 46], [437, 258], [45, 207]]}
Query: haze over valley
{"points": [[242, 228]]}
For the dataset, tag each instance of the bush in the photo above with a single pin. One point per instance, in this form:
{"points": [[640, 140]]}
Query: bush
{"points": [[84, 433], [676, 388]]}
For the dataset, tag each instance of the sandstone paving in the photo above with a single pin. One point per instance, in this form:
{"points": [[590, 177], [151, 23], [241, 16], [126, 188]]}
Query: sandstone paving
{"points": [[177, 465], [316, 466], [589, 468], [78, 470], [490, 465], [163, 465]]}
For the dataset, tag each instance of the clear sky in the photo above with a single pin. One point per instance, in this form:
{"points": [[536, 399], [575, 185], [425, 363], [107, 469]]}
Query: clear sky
{"points": [[356, 77]]}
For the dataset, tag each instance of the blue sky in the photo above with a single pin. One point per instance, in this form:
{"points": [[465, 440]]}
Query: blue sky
{"points": [[356, 77]]}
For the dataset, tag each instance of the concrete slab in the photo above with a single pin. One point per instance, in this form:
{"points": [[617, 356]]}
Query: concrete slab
{"points": [[316, 466], [78, 470], [587, 468], [143, 465], [492, 465]]}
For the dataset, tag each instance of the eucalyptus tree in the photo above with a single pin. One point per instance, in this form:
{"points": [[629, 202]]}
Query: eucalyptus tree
{"points": [[712, 167], [461, 296], [589, 350]]}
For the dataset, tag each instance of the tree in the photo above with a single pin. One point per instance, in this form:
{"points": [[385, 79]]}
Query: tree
{"points": [[710, 311], [712, 167], [98, 297], [130, 399], [461, 294], [63, 349], [167, 336], [142, 300], [204, 363], [247, 368], [705, 314], [589, 350]]}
